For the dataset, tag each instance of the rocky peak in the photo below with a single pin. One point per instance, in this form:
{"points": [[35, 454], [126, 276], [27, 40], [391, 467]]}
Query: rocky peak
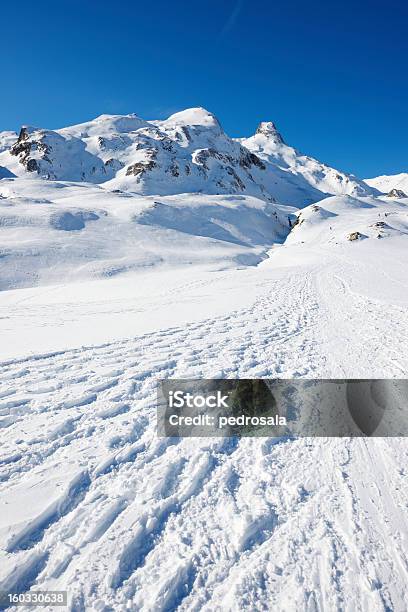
{"points": [[396, 193], [269, 129], [26, 131]]}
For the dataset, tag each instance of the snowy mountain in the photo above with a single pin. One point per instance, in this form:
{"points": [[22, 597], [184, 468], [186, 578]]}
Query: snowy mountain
{"points": [[148, 185], [133, 251], [296, 178], [386, 184], [188, 152]]}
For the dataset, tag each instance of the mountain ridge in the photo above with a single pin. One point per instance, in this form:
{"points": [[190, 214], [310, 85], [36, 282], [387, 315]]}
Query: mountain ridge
{"points": [[188, 152], [387, 183]]}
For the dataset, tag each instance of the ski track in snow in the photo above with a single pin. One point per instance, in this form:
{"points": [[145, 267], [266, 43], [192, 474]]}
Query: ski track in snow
{"points": [[206, 524]]}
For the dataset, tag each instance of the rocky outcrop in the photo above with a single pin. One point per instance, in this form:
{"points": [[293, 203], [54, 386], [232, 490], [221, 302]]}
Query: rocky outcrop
{"points": [[54, 157], [188, 152], [354, 236], [296, 179], [396, 193], [269, 129], [24, 147], [139, 168]]}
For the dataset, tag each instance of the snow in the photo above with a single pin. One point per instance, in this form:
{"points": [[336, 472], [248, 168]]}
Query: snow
{"points": [[49, 229], [333, 219], [217, 523], [307, 177], [188, 152], [6, 140], [105, 125], [386, 183], [191, 116], [104, 292]]}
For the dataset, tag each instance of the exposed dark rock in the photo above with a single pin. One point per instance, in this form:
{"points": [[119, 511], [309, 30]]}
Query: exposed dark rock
{"points": [[115, 164], [140, 168], [32, 165], [396, 193], [268, 128], [186, 133], [238, 183], [25, 146], [174, 169], [20, 148], [23, 135], [354, 236], [297, 221], [167, 144], [248, 159]]}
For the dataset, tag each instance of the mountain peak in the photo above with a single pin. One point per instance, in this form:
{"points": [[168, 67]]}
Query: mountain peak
{"points": [[194, 116], [268, 128]]}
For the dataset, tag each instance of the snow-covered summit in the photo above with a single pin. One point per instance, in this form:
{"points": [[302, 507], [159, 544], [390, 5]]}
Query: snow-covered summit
{"points": [[269, 129], [105, 124], [192, 116]]}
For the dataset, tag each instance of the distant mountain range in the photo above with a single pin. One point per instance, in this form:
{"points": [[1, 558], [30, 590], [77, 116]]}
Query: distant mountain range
{"points": [[187, 153]]}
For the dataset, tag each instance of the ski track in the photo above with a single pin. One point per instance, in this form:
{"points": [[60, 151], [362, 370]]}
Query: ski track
{"points": [[208, 524]]}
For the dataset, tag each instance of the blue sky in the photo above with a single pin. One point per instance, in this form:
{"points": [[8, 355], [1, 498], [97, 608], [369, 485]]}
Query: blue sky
{"points": [[333, 76]]}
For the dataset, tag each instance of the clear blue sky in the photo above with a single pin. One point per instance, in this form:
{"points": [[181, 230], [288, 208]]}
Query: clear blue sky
{"points": [[332, 75]]}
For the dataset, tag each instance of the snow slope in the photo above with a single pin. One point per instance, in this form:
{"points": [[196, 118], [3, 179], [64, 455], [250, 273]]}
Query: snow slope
{"points": [[386, 183], [50, 230], [96, 504], [7, 139], [335, 219], [112, 280]]}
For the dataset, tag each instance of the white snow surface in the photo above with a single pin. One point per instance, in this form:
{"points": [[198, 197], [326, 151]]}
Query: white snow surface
{"points": [[386, 183], [55, 229], [103, 292]]}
